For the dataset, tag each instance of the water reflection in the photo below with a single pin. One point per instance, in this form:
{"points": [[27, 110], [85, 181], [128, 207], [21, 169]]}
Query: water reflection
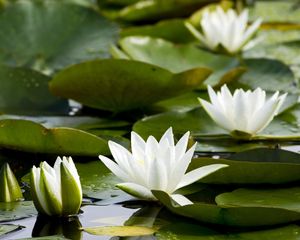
{"points": [[67, 227]]}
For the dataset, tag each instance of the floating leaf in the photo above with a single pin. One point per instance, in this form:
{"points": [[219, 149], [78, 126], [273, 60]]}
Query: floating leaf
{"points": [[98, 182], [234, 216], [257, 166], [31, 93], [122, 85], [284, 198], [7, 228], [173, 30], [50, 35], [178, 58], [121, 231], [270, 75], [16, 210], [156, 9], [187, 231], [28, 136]]}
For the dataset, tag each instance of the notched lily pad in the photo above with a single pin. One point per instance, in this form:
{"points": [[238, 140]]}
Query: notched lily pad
{"points": [[210, 212], [16, 210], [258, 166], [119, 85], [23, 135]]}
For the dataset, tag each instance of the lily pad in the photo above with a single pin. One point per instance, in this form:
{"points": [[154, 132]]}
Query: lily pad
{"points": [[257, 166], [268, 74], [123, 85], [187, 231], [16, 210], [156, 9], [31, 93], [240, 216], [177, 58], [173, 30], [121, 231], [284, 198], [98, 182], [7, 228], [23, 135], [50, 35]]}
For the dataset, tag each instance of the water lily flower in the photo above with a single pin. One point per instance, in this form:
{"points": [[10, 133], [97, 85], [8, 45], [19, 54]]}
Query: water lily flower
{"points": [[244, 113], [226, 30], [10, 190], [56, 191], [154, 165]]}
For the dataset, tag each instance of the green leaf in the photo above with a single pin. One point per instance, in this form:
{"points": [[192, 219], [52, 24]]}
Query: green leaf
{"points": [[284, 198], [121, 231], [31, 93], [49, 35], [233, 216], [122, 85], [187, 231], [270, 75], [16, 210], [257, 166], [172, 30], [98, 182], [276, 11], [7, 228], [53, 237], [155, 10], [177, 58], [28, 136]]}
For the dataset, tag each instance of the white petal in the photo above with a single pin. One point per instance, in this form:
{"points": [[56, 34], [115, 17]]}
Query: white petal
{"points": [[199, 173], [180, 199], [137, 146], [136, 190], [168, 135], [114, 168]]}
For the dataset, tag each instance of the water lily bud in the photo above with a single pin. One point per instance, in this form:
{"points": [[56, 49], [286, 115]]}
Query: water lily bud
{"points": [[10, 190], [56, 191]]}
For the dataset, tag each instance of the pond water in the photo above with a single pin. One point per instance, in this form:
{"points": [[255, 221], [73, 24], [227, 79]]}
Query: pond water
{"points": [[93, 216]]}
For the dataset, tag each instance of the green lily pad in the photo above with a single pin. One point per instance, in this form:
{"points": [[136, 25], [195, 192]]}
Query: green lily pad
{"points": [[276, 11], [122, 85], [30, 93], [177, 58], [16, 210], [187, 231], [257, 166], [121, 231], [7, 228], [28, 136], [268, 74], [240, 216], [98, 182], [156, 9], [284, 198], [50, 35], [173, 30]]}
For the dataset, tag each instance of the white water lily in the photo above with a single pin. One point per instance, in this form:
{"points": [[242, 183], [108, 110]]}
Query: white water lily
{"points": [[243, 113], [10, 190], [154, 165], [226, 29], [56, 191]]}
